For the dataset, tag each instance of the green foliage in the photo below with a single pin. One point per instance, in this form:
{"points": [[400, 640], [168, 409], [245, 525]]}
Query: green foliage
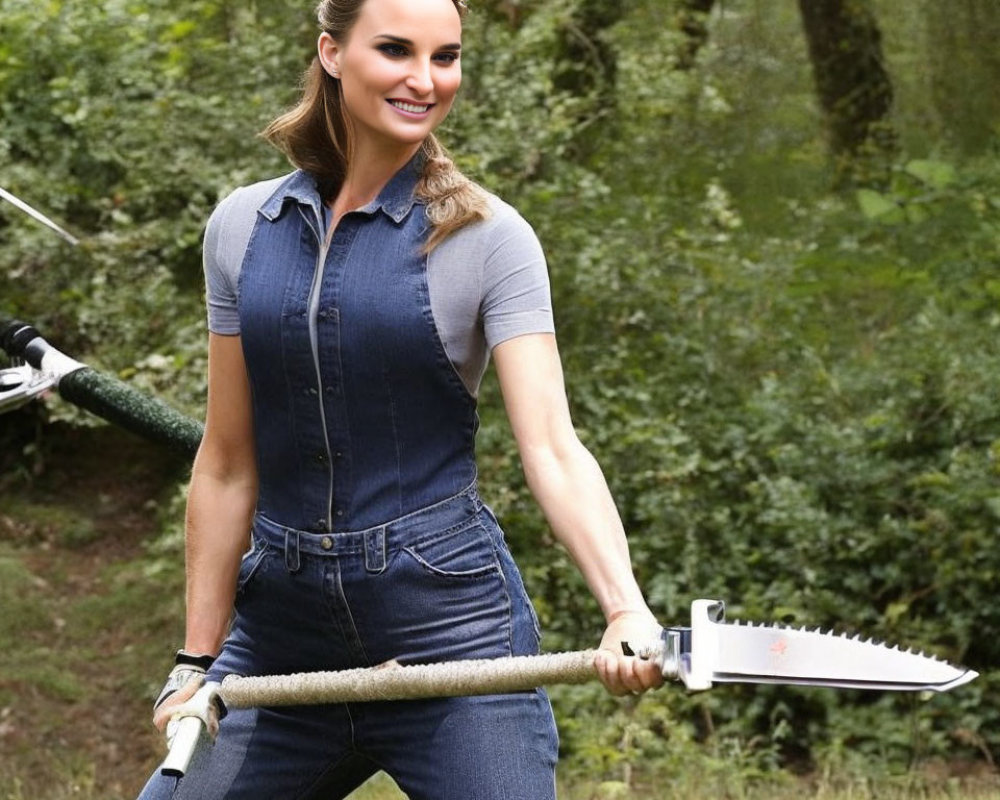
{"points": [[128, 123], [792, 392], [802, 425]]}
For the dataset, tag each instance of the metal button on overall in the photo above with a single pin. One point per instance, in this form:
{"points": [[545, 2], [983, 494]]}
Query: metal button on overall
{"points": [[344, 357], [378, 545]]}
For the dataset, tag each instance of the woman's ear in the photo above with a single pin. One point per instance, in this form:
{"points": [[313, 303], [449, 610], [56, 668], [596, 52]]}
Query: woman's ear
{"points": [[329, 54]]}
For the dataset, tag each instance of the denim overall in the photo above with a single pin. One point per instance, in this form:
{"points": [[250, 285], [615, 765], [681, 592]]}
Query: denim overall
{"points": [[370, 541]]}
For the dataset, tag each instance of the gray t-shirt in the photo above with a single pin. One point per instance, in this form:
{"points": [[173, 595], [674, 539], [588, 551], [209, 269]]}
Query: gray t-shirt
{"points": [[488, 281]]}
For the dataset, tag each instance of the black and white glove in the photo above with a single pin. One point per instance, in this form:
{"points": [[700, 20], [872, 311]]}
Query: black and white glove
{"points": [[187, 667]]}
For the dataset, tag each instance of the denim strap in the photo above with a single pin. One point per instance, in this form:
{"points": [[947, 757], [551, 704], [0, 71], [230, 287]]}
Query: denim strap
{"points": [[375, 550], [292, 560]]}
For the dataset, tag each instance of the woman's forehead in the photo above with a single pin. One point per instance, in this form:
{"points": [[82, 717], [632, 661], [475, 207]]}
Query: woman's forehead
{"points": [[427, 18]]}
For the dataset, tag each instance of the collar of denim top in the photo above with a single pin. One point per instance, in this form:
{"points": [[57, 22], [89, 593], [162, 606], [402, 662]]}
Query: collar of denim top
{"points": [[395, 200]]}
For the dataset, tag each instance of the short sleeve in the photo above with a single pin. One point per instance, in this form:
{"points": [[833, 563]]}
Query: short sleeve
{"points": [[516, 297], [220, 277]]}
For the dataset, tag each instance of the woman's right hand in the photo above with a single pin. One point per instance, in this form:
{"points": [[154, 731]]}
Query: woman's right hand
{"points": [[163, 710]]}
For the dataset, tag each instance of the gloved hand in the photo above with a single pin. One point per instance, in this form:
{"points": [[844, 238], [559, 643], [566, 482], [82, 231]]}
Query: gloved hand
{"points": [[183, 681], [204, 705]]}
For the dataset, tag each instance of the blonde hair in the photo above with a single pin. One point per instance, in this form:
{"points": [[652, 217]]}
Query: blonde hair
{"points": [[315, 135]]}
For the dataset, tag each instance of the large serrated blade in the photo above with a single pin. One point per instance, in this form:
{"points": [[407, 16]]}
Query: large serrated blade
{"points": [[733, 653]]}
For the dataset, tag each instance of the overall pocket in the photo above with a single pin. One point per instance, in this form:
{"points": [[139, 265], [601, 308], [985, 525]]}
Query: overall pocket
{"points": [[448, 599], [466, 553], [527, 631], [250, 564]]}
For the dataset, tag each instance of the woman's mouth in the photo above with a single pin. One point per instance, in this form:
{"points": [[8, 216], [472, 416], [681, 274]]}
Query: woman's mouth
{"points": [[410, 108]]}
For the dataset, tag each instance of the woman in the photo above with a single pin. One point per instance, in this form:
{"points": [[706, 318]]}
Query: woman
{"points": [[352, 308]]}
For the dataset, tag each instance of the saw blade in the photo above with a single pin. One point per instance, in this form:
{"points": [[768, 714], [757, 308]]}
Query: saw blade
{"points": [[749, 653]]}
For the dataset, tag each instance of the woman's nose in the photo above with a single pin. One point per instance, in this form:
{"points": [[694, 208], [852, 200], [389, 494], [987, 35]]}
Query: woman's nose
{"points": [[419, 79]]}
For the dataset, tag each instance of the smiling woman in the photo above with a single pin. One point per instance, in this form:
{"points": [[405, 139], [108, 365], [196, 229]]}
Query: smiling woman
{"points": [[396, 90], [319, 133], [353, 306]]}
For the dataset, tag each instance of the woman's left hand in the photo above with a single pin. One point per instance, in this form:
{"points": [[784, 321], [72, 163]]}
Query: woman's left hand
{"points": [[623, 674]]}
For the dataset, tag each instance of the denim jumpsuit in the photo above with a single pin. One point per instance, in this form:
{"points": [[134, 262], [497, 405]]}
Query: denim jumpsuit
{"points": [[370, 540]]}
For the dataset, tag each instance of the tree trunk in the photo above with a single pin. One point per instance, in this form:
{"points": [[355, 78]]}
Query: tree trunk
{"points": [[513, 12], [854, 88], [963, 63], [585, 62], [692, 21], [585, 65]]}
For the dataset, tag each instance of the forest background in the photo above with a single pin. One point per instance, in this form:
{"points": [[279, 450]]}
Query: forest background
{"points": [[772, 230]]}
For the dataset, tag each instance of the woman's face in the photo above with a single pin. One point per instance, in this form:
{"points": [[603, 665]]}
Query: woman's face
{"points": [[399, 69]]}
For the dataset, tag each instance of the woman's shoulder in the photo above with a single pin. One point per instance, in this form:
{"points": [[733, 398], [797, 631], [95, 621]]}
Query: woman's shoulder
{"points": [[230, 226], [501, 224], [241, 204], [503, 214]]}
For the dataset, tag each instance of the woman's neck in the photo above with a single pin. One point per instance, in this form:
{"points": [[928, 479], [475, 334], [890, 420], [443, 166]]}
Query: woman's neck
{"points": [[369, 171]]}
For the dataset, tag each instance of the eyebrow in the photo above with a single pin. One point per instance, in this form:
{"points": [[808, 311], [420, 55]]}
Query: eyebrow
{"points": [[409, 42]]}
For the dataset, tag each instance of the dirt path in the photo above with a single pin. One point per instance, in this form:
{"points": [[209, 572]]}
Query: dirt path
{"points": [[89, 616]]}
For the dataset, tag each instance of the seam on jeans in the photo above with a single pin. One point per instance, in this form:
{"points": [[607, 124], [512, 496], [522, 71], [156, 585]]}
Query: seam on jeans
{"points": [[432, 537], [350, 616], [454, 376], [502, 549], [529, 606], [346, 634], [478, 573], [231, 771], [287, 294], [506, 594], [238, 288], [350, 719], [506, 590], [470, 492], [381, 553], [325, 772], [254, 559], [345, 477], [510, 615], [395, 439]]}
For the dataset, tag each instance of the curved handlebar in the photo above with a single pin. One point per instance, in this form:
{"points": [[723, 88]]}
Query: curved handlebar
{"points": [[101, 394]]}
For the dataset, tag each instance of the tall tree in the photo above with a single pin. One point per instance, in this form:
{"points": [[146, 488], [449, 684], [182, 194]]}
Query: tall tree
{"points": [[963, 64], [512, 11], [854, 87], [585, 64], [692, 20]]}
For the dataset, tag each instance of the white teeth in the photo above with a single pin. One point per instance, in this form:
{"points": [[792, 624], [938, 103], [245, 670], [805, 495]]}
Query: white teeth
{"points": [[411, 107]]}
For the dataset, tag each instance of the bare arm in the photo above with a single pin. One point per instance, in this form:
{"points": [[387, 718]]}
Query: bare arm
{"points": [[220, 505], [221, 499], [573, 494]]}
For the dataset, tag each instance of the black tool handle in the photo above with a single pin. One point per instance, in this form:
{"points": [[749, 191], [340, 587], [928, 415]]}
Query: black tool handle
{"points": [[101, 394]]}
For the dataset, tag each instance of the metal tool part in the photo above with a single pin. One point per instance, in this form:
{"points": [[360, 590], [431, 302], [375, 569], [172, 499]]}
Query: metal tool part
{"points": [[708, 652], [35, 214], [20, 385], [722, 652]]}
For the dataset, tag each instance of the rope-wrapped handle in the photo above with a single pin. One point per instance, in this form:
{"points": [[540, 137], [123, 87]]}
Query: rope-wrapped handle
{"points": [[389, 681], [395, 682]]}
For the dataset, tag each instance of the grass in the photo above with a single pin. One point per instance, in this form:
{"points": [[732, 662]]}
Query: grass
{"points": [[79, 783], [86, 623], [381, 787]]}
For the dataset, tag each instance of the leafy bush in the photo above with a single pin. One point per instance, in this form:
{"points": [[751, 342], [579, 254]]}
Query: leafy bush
{"points": [[792, 392]]}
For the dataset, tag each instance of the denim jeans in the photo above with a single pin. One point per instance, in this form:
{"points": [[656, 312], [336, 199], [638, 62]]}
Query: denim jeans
{"points": [[434, 585]]}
